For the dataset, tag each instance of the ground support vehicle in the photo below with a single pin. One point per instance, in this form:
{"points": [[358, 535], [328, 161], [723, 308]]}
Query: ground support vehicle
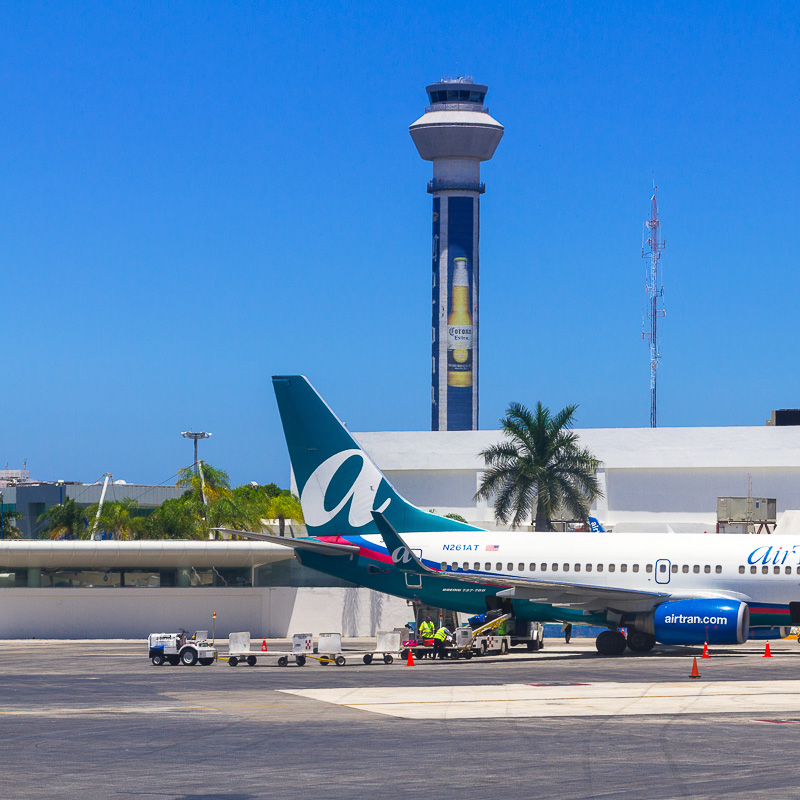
{"points": [[177, 648], [387, 644], [329, 650], [239, 649]]}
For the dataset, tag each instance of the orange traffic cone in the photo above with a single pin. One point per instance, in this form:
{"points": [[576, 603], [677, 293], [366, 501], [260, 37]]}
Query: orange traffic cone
{"points": [[410, 662], [263, 645], [767, 653], [705, 651], [695, 673]]}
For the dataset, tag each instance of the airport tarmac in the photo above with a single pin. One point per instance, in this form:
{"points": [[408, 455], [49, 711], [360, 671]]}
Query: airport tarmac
{"points": [[96, 719]]}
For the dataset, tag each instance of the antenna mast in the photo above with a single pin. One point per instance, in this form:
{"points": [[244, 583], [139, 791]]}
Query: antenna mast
{"points": [[655, 296]]}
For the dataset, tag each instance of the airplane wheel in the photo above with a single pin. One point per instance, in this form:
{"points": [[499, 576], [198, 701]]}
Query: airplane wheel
{"points": [[610, 643], [639, 642]]}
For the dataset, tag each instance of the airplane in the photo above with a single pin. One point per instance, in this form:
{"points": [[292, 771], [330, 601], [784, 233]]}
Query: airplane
{"points": [[686, 589]]}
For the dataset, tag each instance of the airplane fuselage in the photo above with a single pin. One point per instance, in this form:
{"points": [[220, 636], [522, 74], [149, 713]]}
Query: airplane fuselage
{"points": [[762, 572]]}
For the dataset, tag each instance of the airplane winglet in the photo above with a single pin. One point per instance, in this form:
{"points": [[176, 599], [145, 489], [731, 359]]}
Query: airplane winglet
{"points": [[403, 557]]}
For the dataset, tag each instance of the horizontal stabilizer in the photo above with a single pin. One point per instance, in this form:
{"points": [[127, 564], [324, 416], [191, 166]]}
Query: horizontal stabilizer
{"points": [[403, 557]]}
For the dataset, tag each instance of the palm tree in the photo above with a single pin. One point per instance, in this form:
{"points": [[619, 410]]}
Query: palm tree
{"points": [[117, 517], [539, 468], [66, 520], [285, 506]]}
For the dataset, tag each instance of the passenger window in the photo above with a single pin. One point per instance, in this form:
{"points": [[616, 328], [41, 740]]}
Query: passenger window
{"points": [[788, 570], [753, 570], [648, 568], [444, 565], [577, 568], [707, 569], [764, 570], [488, 566], [588, 567], [522, 568], [555, 567], [455, 565], [674, 567], [741, 570], [543, 568], [623, 567], [599, 567], [718, 569], [612, 567], [696, 569], [532, 567], [466, 565], [685, 568], [662, 567], [566, 567], [777, 570], [510, 568], [499, 567], [476, 566], [635, 567]]}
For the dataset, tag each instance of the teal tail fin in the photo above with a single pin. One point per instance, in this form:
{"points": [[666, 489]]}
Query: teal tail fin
{"points": [[339, 484]]}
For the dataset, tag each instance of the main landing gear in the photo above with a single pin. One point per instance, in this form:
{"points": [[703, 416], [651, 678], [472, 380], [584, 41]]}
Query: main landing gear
{"points": [[613, 643]]}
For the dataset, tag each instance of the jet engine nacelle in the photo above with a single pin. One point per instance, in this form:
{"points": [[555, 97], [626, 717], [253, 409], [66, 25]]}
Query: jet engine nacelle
{"points": [[769, 633], [719, 621]]}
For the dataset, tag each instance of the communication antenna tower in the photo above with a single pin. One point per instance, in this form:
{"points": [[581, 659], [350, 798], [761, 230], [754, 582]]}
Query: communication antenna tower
{"points": [[651, 249]]}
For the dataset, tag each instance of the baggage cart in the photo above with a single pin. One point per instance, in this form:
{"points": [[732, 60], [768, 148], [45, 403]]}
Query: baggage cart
{"points": [[387, 644], [302, 649], [239, 649]]}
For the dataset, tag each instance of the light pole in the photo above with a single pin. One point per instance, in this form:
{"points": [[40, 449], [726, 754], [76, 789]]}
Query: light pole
{"points": [[2, 534], [196, 437]]}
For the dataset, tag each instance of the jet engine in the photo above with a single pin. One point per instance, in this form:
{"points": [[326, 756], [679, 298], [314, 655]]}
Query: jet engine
{"points": [[716, 621]]}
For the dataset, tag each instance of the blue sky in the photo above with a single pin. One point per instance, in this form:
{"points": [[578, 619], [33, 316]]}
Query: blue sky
{"points": [[196, 196]]}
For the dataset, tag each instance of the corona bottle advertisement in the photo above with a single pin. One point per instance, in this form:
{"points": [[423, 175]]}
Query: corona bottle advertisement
{"points": [[459, 328]]}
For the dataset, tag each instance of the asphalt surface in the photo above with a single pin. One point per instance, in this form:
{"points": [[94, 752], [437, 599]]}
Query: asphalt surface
{"points": [[96, 719]]}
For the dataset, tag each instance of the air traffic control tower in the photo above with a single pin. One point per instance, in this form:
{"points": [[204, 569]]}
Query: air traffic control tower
{"points": [[456, 133]]}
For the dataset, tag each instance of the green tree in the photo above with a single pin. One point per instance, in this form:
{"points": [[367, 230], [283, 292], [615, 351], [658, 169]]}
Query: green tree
{"points": [[10, 528], [66, 520], [173, 519], [538, 469]]}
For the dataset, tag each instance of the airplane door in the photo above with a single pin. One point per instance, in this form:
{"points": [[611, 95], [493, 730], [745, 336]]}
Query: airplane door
{"points": [[663, 570]]}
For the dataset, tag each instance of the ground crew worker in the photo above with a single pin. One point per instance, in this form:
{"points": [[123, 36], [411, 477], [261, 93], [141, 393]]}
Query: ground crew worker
{"points": [[439, 638], [426, 629]]}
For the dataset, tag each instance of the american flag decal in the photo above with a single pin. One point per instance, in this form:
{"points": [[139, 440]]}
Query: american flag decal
{"points": [[492, 547]]}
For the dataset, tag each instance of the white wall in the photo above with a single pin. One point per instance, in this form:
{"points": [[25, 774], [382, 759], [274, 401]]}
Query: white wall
{"points": [[271, 612]]}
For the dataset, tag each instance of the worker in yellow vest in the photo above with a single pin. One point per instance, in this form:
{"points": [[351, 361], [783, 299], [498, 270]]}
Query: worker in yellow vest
{"points": [[439, 639], [426, 629]]}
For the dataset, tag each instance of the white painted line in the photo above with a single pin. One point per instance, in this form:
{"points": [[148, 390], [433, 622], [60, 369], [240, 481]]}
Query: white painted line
{"points": [[582, 700]]}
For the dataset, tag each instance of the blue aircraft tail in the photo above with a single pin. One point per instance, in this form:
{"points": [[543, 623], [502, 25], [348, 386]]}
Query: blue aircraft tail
{"points": [[338, 483], [595, 526]]}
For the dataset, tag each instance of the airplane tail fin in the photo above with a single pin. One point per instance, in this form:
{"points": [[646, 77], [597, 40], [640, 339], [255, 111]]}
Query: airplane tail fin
{"points": [[338, 483], [595, 526]]}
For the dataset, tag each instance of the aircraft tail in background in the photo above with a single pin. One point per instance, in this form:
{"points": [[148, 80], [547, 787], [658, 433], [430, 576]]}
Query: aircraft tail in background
{"points": [[338, 483]]}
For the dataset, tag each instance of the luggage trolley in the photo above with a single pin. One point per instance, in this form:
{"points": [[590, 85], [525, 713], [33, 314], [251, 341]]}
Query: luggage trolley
{"points": [[239, 649], [329, 650], [302, 648], [388, 643]]}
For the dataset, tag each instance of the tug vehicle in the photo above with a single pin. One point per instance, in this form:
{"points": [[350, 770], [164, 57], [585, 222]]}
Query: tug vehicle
{"points": [[180, 648]]}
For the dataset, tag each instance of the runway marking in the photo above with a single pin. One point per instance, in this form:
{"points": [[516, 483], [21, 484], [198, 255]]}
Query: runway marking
{"points": [[517, 700]]}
